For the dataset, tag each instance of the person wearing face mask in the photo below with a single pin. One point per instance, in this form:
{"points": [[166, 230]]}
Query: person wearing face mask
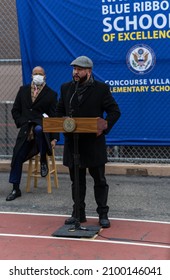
{"points": [[86, 97], [31, 103]]}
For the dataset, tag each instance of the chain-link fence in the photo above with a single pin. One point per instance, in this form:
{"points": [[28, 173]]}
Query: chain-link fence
{"points": [[139, 154], [10, 74], [11, 79]]}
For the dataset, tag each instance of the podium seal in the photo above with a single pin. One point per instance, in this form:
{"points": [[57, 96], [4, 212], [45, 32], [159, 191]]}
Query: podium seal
{"points": [[69, 125]]}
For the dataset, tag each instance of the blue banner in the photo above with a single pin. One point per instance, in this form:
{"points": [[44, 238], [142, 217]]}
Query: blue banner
{"points": [[128, 42]]}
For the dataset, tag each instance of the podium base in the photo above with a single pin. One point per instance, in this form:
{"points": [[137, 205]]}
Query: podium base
{"points": [[80, 232]]}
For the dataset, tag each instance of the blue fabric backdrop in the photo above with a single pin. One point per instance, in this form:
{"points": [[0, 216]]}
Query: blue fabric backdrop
{"points": [[128, 42]]}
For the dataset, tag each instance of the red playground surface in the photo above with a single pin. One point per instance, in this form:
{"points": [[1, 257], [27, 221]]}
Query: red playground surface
{"points": [[25, 236]]}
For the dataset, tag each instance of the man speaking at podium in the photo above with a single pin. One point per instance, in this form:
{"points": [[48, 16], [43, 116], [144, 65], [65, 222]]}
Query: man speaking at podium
{"points": [[84, 97]]}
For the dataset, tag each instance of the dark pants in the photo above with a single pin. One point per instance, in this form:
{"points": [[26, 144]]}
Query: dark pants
{"points": [[16, 169], [101, 189]]}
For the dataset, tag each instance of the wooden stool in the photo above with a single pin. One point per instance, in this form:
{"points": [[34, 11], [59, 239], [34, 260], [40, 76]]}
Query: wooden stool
{"points": [[34, 171]]}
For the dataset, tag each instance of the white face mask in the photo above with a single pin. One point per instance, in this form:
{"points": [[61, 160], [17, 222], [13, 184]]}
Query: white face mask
{"points": [[38, 79]]}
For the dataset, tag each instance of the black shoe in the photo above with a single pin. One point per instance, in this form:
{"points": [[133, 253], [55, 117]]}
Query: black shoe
{"points": [[104, 221], [72, 220], [14, 194], [44, 169]]}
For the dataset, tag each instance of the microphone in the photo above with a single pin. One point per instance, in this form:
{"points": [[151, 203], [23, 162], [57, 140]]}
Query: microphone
{"points": [[76, 86], [71, 110]]}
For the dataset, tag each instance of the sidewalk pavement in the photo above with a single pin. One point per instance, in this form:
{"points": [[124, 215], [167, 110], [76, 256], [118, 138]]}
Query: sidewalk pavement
{"points": [[116, 168]]}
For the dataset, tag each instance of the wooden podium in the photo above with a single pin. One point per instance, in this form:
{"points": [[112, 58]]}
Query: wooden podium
{"points": [[75, 126], [82, 125]]}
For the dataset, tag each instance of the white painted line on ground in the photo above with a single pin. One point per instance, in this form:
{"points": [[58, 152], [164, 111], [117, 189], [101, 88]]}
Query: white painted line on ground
{"points": [[90, 217], [86, 240]]}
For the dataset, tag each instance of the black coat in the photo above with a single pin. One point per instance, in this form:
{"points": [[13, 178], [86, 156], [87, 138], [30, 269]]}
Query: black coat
{"points": [[96, 102], [27, 113]]}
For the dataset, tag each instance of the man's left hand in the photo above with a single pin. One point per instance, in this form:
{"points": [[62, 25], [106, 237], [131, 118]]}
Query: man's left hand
{"points": [[53, 143], [102, 125]]}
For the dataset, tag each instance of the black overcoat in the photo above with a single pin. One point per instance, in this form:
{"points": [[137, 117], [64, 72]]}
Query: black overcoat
{"points": [[97, 101], [27, 113]]}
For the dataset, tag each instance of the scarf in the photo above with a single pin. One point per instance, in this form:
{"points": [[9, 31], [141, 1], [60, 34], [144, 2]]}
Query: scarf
{"points": [[35, 90], [83, 87]]}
